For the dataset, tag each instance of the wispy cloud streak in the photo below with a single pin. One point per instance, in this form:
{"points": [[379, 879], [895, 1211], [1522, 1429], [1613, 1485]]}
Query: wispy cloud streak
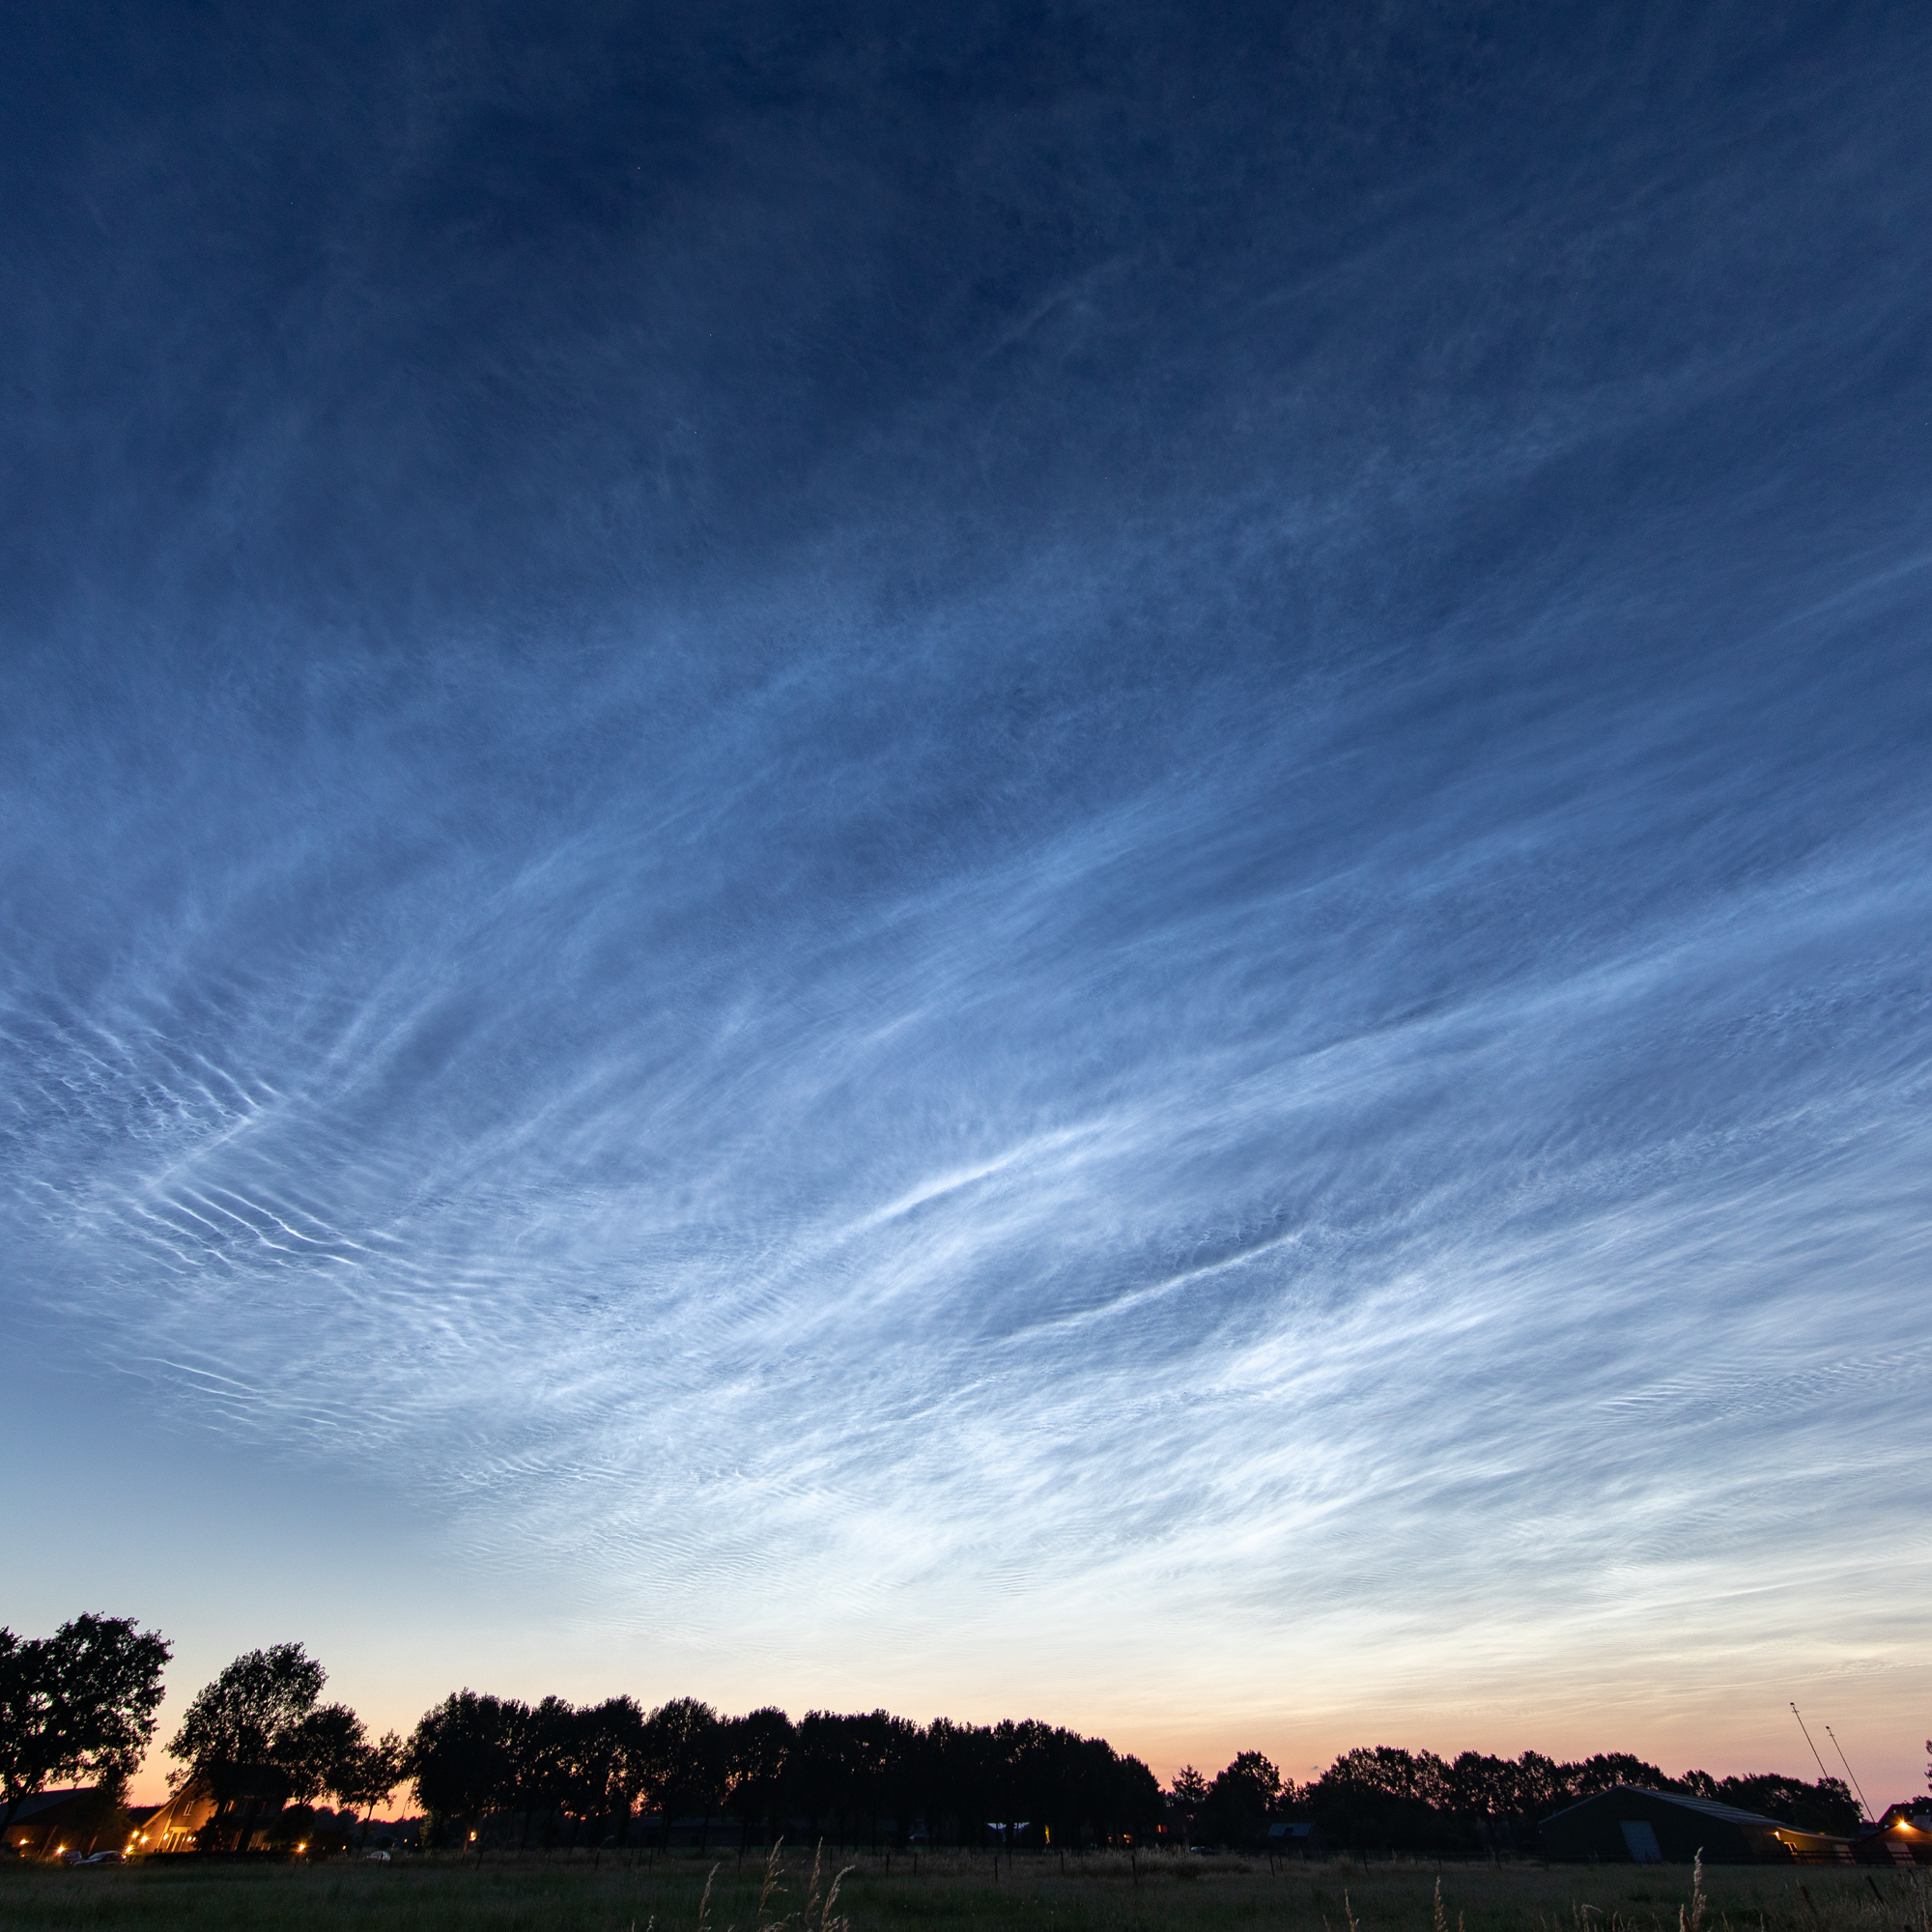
{"points": [[1246, 979]]}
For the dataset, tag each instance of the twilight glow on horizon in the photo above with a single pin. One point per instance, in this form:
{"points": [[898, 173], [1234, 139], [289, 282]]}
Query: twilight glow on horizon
{"points": [[1065, 862]]}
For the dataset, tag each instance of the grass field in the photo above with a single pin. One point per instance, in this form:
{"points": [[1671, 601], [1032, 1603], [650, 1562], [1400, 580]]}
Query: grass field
{"points": [[950, 1892]]}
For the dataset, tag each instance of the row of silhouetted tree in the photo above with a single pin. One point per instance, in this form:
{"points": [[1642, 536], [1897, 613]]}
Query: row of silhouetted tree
{"points": [[259, 1740], [498, 1766], [1388, 1799]]}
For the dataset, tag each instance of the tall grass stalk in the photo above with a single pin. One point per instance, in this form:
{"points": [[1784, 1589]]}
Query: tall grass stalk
{"points": [[1696, 1921]]}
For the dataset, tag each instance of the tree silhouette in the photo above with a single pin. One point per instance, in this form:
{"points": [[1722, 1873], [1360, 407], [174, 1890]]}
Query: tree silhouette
{"points": [[323, 1750], [756, 1754], [681, 1759], [544, 1764], [241, 1740], [609, 1758], [78, 1704], [1189, 1791], [370, 1774], [1241, 1801], [463, 1757]]}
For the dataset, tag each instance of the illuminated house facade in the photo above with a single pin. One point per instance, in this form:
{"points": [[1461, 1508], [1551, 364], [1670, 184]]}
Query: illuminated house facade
{"points": [[1903, 1837]]}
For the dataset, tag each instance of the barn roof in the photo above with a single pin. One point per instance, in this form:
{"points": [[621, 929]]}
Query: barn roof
{"points": [[1708, 1806], [45, 1801]]}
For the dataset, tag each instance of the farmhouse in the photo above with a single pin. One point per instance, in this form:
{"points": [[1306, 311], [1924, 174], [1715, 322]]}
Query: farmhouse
{"points": [[72, 1821], [1903, 1837], [1630, 1824], [171, 1826]]}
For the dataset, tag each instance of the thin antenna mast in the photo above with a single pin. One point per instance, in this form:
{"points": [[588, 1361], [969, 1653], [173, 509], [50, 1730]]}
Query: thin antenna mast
{"points": [[1795, 1712], [1849, 1771]]}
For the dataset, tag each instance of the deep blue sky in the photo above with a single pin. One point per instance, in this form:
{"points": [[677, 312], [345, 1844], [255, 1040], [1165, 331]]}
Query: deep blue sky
{"points": [[1020, 859]]}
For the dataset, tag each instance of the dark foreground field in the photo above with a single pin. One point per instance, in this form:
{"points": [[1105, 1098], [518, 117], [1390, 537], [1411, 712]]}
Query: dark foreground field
{"points": [[955, 1894]]}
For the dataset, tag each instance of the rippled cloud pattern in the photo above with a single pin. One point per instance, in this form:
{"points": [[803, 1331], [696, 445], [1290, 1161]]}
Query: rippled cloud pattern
{"points": [[1070, 847]]}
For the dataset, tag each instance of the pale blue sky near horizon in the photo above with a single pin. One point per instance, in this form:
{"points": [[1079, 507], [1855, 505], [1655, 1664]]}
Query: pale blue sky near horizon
{"points": [[1067, 864]]}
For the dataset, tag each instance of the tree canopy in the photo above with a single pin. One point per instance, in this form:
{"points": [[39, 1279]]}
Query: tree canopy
{"points": [[78, 1704], [254, 1736]]}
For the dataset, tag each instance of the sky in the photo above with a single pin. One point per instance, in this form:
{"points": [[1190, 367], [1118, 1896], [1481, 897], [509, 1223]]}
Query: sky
{"points": [[1051, 861]]}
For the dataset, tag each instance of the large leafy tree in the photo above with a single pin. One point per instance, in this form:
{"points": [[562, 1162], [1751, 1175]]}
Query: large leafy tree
{"points": [[757, 1750], [1605, 1771], [367, 1776], [463, 1756], [546, 1764], [324, 1751], [611, 1758], [247, 1740], [681, 1750], [80, 1704], [1133, 1798], [1241, 1801]]}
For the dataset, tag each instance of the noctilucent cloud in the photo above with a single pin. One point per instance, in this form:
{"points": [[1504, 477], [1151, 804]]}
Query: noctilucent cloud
{"points": [[1061, 860]]}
